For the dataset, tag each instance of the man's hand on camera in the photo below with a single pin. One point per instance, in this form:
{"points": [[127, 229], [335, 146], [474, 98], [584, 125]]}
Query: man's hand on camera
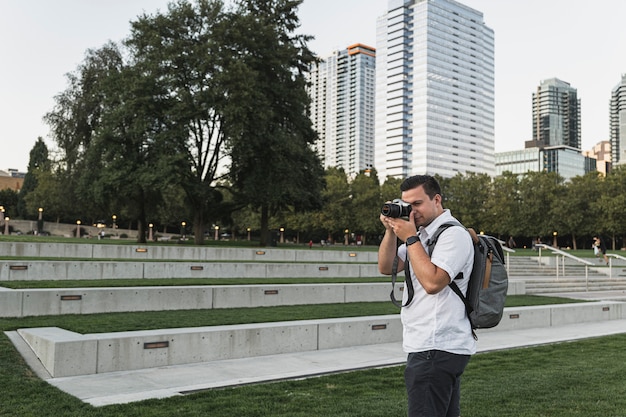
{"points": [[403, 229]]}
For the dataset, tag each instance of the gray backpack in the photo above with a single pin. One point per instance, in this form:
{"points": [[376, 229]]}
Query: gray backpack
{"points": [[488, 283]]}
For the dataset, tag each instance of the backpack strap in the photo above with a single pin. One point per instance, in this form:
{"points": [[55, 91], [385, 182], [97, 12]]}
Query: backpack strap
{"points": [[407, 274], [453, 285]]}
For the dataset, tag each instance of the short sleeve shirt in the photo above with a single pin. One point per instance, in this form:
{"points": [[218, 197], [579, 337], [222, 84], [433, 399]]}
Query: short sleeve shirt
{"points": [[438, 321]]}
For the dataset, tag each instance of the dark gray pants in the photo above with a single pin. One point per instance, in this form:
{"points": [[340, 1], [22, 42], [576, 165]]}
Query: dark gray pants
{"points": [[433, 383]]}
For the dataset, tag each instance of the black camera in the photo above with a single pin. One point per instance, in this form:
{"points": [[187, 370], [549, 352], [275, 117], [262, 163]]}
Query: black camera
{"points": [[397, 208]]}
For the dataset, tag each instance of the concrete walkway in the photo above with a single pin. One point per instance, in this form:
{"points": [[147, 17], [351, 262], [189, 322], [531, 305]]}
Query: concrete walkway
{"points": [[129, 386]]}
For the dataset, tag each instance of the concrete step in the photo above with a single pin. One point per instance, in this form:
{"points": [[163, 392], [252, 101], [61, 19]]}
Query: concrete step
{"points": [[55, 301], [152, 251], [102, 270], [176, 380], [64, 353]]}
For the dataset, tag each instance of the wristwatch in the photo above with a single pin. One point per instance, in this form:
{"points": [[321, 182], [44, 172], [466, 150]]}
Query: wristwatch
{"points": [[411, 240]]}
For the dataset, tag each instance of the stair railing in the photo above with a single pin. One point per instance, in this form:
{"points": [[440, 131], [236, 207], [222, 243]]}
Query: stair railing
{"points": [[560, 256], [507, 251], [616, 256]]}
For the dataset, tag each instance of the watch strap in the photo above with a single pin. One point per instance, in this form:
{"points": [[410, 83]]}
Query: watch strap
{"points": [[411, 240]]}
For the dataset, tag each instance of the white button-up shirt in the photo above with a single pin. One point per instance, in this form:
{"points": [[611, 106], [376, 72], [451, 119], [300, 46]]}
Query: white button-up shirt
{"points": [[438, 321]]}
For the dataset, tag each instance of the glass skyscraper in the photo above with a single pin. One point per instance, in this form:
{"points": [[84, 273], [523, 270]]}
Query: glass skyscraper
{"points": [[342, 93], [434, 90], [556, 115], [618, 122]]}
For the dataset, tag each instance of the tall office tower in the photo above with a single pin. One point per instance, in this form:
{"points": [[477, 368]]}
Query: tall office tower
{"points": [[342, 108], [618, 122], [556, 115], [435, 90]]}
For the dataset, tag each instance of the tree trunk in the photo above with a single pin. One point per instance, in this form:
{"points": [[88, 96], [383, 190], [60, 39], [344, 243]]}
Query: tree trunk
{"points": [[198, 227], [264, 225], [141, 222]]}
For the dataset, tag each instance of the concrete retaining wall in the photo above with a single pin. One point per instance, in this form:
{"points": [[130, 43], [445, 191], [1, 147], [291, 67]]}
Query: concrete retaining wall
{"points": [[65, 353], [559, 314], [181, 253], [55, 301], [95, 270], [39, 302]]}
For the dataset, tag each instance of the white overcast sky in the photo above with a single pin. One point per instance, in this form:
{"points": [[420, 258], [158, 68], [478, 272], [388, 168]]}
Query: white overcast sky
{"points": [[580, 42]]}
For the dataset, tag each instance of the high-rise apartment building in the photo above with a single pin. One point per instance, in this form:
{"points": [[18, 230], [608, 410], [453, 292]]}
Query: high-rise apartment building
{"points": [[618, 122], [342, 91], [556, 115], [434, 90]]}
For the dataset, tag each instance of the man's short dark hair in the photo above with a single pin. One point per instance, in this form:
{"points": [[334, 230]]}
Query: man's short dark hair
{"points": [[431, 186]]}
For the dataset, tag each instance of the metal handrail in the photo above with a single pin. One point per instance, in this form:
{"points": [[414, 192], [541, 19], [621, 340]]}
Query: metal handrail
{"points": [[564, 255], [616, 256], [507, 251]]}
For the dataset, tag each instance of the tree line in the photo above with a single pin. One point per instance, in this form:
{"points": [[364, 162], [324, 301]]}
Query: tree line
{"points": [[530, 206], [526, 207]]}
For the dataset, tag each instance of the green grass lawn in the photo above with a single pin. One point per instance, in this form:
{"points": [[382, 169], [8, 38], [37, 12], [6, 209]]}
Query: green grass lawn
{"points": [[582, 378], [377, 392]]}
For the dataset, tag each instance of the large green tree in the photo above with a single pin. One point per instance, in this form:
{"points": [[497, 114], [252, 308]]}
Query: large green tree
{"points": [[109, 126], [38, 162], [504, 206], [366, 201], [183, 50], [574, 214], [335, 214], [273, 164], [539, 194], [74, 122], [466, 196], [608, 209]]}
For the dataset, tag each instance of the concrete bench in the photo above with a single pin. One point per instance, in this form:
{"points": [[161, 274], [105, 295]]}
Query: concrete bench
{"points": [[184, 253], [91, 270], [65, 353], [55, 301], [559, 314]]}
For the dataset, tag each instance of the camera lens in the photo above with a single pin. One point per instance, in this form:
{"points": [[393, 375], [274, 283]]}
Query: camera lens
{"points": [[395, 209], [390, 210]]}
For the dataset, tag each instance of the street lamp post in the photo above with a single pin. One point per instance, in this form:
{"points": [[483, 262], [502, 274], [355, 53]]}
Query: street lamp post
{"points": [[217, 231], [7, 229], [40, 221], [554, 242], [248, 234], [183, 225], [346, 235], [282, 235], [150, 238], [1, 216], [114, 217], [78, 228]]}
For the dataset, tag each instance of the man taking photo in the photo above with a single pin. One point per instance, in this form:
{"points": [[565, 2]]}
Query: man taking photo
{"points": [[437, 334]]}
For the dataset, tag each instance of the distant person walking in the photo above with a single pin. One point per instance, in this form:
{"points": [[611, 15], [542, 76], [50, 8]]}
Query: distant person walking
{"points": [[511, 242], [598, 243]]}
